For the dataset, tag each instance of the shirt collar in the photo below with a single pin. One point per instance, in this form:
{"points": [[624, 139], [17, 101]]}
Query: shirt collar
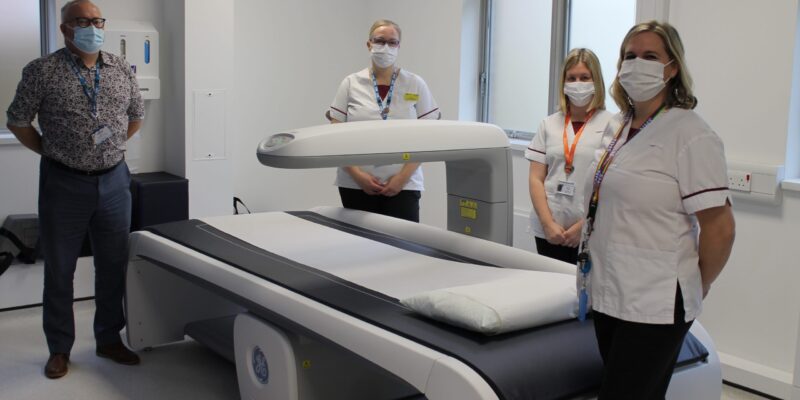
{"points": [[103, 58]]}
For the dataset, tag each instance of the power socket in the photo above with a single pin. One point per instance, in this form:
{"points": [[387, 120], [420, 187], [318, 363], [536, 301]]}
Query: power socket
{"points": [[739, 180]]}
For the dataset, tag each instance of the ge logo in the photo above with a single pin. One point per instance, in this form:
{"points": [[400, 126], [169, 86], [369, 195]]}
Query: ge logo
{"points": [[260, 368]]}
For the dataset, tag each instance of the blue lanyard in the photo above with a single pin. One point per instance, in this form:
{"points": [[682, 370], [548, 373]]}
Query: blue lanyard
{"points": [[92, 93], [584, 259], [384, 110]]}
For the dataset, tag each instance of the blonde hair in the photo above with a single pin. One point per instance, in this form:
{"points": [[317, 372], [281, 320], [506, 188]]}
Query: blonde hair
{"points": [[385, 22], [588, 58], [679, 89]]}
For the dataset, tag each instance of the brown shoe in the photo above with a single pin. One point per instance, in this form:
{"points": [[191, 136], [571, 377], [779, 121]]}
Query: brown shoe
{"points": [[57, 365], [118, 353]]}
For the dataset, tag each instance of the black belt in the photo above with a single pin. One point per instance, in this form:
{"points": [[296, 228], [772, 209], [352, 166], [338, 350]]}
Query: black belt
{"points": [[97, 172]]}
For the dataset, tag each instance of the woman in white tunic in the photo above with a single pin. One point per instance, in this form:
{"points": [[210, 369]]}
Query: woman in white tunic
{"points": [[661, 179], [560, 155], [382, 91]]}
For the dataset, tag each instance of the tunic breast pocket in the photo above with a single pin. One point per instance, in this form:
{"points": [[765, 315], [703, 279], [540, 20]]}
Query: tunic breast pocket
{"points": [[403, 108], [646, 157], [411, 97]]}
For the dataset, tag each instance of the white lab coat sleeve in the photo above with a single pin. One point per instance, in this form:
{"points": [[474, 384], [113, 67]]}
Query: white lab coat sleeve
{"points": [[703, 173], [426, 105], [339, 105], [536, 149]]}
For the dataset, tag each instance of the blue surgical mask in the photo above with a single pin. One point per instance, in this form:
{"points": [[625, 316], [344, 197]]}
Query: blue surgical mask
{"points": [[89, 39]]}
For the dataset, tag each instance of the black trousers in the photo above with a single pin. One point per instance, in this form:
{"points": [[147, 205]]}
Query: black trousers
{"points": [[404, 205], [638, 359], [563, 253]]}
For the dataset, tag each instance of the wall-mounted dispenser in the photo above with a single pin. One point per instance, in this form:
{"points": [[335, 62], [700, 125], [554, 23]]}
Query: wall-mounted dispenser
{"points": [[137, 43]]}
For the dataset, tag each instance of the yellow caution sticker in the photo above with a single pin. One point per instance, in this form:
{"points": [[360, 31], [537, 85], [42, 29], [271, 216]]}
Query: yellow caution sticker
{"points": [[468, 203], [470, 213], [467, 230], [306, 364], [406, 156], [469, 208], [411, 97]]}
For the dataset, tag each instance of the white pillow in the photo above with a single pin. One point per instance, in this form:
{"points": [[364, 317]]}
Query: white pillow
{"points": [[526, 300]]}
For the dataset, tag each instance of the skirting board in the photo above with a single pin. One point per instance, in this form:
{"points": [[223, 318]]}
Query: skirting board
{"points": [[758, 377], [22, 284]]}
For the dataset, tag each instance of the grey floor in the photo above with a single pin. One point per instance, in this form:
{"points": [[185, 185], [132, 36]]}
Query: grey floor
{"points": [[179, 371]]}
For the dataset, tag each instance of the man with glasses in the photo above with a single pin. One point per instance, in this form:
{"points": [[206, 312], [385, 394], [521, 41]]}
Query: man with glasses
{"points": [[88, 105]]}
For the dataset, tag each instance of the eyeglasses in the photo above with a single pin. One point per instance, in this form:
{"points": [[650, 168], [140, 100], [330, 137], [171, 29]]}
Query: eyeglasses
{"points": [[383, 42], [85, 22]]}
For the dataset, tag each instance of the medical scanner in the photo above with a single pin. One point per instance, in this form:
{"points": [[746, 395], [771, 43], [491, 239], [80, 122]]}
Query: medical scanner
{"points": [[307, 303], [476, 156]]}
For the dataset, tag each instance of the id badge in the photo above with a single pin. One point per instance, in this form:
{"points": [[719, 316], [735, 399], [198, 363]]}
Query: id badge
{"points": [[566, 188], [101, 135]]}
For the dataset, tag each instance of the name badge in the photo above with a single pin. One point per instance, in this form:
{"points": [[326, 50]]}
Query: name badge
{"points": [[566, 188], [101, 135], [411, 97]]}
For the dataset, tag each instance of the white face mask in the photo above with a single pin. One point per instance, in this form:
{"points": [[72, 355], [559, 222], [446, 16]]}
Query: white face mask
{"points": [[579, 93], [642, 79], [383, 56]]}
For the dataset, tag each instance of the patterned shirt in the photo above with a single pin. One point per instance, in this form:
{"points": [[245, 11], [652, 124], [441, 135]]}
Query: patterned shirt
{"points": [[51, 89]]}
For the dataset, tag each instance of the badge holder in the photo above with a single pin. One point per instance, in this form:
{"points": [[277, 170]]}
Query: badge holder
{"points": [[101, 134], [566, 188], [584, 267]]}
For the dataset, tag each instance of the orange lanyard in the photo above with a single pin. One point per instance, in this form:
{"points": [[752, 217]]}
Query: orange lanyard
{"points": [[569, 152]]}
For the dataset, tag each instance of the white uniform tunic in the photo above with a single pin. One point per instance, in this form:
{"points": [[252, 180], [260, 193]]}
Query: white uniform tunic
{"points": [[547, 147], [355, 101], [645, 237]]}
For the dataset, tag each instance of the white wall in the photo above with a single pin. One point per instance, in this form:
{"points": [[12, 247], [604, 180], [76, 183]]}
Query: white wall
{"points": [[741, 58], [209, 77], [290, 57], [19, 180]]}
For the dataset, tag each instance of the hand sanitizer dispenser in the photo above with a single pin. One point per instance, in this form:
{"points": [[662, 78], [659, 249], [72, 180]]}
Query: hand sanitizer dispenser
{"points": [[137, 43]]}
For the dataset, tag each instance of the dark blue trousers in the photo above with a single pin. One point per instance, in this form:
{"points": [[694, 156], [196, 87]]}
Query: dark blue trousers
{"points": [[70, 206]]}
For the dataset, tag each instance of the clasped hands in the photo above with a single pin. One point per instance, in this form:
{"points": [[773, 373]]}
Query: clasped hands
{"points": [[556, 234], [373, 186]]}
